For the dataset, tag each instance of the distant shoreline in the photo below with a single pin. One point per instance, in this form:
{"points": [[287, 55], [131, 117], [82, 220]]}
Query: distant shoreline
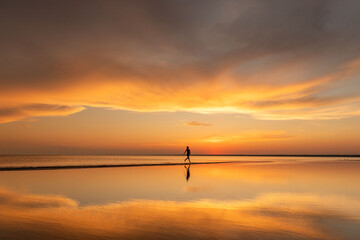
{"points": [[220, 155]]}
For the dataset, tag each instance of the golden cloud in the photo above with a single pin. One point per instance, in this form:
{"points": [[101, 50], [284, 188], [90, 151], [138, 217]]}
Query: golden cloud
{"points": [[252, 136], [9, 114], [266, 62], [290, 101], [196, 123]]}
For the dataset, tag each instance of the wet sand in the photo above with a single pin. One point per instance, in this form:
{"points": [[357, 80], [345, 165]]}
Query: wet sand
{"points": [[272, 200], [30, 168]]}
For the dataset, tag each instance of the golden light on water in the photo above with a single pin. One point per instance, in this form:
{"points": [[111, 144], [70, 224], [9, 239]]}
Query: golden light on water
{"points": [[144, 219], [281, 200]]}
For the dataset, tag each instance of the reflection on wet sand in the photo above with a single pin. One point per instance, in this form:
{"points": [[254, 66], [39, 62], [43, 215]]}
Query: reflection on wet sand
{"points": [[272, 216], [222, 201], [187, 167]]}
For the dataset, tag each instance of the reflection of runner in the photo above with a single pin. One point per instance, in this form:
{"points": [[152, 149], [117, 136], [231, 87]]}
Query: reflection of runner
{"points": [[187, 151], [187, 167]]}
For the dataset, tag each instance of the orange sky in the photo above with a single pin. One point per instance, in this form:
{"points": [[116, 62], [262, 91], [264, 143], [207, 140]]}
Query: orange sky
{"points": [[222, 76]]}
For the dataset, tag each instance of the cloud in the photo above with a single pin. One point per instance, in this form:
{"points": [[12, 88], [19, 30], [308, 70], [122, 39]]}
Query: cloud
{"points": [[248, 137], [271, 60], [196, 123], [18, 113]]}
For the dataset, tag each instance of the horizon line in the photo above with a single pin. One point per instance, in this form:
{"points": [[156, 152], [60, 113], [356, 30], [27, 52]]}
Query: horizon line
{"points": [[171, 154]]}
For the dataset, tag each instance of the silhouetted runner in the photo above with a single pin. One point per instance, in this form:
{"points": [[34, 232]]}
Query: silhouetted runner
{"points": [[187, 151]]}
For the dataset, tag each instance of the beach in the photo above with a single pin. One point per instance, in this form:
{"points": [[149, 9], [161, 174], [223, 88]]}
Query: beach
{"points": [[180, 120], [287, 198]]}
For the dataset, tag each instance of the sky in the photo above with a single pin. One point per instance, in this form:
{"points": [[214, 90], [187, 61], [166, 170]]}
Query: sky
{"points": [[139, 76]]}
